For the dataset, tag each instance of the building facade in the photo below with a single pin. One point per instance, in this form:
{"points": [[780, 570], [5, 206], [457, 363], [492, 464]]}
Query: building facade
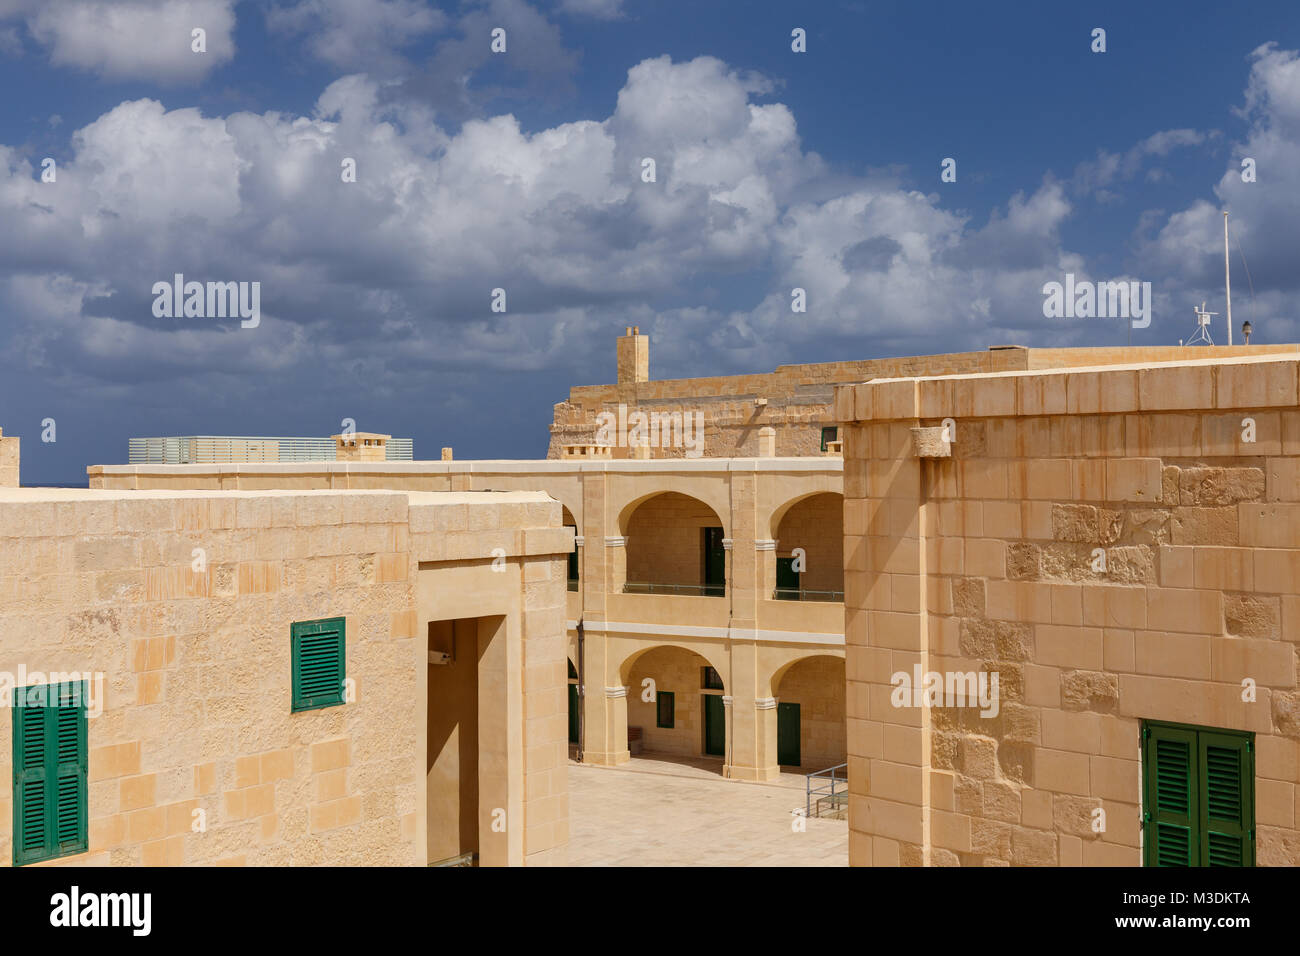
{"points": [[282, 677], [1120, 546]]}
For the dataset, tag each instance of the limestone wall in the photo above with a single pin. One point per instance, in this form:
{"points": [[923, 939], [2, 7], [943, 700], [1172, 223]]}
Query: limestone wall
{"points": [[1118, 544], [183, 602]]}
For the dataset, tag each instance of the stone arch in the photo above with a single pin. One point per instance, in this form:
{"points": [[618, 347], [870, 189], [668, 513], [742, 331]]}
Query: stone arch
{"points": [[814, 523], [816, 683], [667, 544]]}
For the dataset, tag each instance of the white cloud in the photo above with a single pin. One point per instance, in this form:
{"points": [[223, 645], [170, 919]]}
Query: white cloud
{"points": [[130, 39], [357, 34]]}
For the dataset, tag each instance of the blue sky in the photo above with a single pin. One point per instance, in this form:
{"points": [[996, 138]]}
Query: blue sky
{"points": [[521, 171]]}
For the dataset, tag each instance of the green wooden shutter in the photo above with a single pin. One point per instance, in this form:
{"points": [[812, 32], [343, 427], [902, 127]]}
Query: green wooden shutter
{"points": [[1227, 800], [50, 763], [1171, 775], [68, 720], [1199, 795], [30, 830], [319, 653]]}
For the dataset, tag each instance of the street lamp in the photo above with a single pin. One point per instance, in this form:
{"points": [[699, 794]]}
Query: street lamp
{"points": [[1245, 331]]}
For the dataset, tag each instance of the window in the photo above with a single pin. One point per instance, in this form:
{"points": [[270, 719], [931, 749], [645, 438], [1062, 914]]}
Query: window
{"points": [[573, 564], [711, 679], [1198, 794], [715, 562], [49, 739], [664, 703], [787, 580], [318, 663], [830, 434]]}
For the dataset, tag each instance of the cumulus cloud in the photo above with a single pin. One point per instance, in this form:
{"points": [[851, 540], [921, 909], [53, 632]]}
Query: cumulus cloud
{"points": [[130, 39], [1097, 175], [358, 34], [1187, 245], [389, 278]]}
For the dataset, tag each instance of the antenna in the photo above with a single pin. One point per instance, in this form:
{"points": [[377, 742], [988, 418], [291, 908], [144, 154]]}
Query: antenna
{"points": [[1202, 333], [1227, 276]]}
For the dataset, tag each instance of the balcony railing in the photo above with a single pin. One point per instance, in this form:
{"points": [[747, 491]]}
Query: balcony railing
{"points": [[203, 449], [805, 594], [699, 590]]}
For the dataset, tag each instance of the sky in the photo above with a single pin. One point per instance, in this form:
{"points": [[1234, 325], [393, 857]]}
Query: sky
{"points": [[523, 170]]}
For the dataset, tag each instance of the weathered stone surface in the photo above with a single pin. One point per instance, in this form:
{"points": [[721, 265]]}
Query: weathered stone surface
{"points": [[979, 757], [1090, 690], [1024, 562], [1286, 714], [968, 597], [1220, 486], [1073, 815], [1247, 615], [1033, 848], [1146, 526], [930, 443], [968, 795], [1016, 761], [1002, 802]]}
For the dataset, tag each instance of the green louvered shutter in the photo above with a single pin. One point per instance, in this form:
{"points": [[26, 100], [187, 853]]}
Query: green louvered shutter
{"points": [[68, 729], [49, 733], [1199, 796], [1170, 778], [29, 785], [1227, 799], [319, 651]]}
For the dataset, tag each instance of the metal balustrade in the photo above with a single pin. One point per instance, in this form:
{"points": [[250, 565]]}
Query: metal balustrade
{"points": [[225, 449], [699, 590], [828, 793], [805, 594]]}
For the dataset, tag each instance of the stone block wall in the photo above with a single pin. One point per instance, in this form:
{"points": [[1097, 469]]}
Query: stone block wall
{"points": [[1117, 544]]}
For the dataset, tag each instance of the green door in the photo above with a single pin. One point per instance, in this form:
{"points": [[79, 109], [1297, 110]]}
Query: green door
{"points": [[787, 735], [715, 726], [715, 563], [787, 580], [573, 713]]}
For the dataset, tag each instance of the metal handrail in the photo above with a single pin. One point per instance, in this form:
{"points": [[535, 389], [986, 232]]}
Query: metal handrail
{"points": [[806, 594], [219, 449], [810, 791], [699, 590]]}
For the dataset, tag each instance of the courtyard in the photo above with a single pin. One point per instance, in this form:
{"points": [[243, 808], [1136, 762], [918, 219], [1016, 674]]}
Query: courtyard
{"points": [[654, 811]]}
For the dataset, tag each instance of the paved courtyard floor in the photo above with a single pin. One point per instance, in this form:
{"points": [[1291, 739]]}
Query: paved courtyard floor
{"points": [[673, 812]]}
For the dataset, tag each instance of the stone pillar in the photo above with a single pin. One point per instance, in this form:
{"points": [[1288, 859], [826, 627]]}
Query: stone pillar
{"points": [[9, 462], [602, 572], [751, 720], [767, 442]]}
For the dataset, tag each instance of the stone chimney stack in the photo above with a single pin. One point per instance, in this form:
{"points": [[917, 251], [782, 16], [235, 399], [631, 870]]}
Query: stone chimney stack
{"points": [[8, 461], [633, 356]]}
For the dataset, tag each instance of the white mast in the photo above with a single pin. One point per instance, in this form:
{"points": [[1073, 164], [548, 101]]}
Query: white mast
{"points": [[1227, 275]]}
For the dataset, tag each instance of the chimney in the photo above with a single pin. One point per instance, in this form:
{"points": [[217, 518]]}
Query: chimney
{"points": [[633, 356], [8, 461]]}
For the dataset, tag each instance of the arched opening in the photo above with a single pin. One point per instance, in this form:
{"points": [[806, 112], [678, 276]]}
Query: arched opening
{"points": [[810, 549], [674, 704], [675, 546], [567, 520], [810, 713]]}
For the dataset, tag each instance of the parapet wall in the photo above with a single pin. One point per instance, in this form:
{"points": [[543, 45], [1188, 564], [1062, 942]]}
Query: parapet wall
{"points": [[1118, 544], [797, 398]]}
